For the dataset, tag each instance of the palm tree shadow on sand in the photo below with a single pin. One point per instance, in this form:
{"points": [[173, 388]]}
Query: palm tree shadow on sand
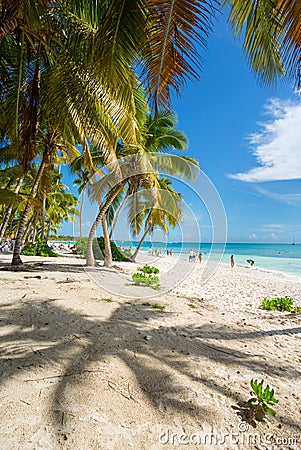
{"points": [[44, 333]]}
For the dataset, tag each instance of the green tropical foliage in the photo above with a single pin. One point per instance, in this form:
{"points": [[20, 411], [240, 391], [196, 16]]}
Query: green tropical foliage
{"points": [[39, 248], [280, 304], [80, 73], [262, 399]]}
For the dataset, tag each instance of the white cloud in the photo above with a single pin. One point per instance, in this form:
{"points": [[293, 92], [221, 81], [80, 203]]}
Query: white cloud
{"points": [[293, 199], [273, 237], [278, 226], [253, 236], [277, 147]]}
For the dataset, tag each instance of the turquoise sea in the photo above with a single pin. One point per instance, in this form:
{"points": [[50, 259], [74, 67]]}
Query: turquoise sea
{"points": [[279, 257]]}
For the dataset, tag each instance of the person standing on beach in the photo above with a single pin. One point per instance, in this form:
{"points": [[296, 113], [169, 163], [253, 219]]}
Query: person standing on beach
{"points": [[232, 261], [200, 256]]}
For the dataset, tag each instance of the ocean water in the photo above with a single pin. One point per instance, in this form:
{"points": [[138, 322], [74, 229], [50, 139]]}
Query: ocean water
{"points": [[276, 257]]}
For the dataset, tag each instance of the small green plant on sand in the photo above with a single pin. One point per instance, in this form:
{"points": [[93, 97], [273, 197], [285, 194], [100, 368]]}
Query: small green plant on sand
{"points": [[280, 304], [191, 305], [146, 278], [141, 279], [106, 300], [148, 269], [262, 399], [157, 306]]}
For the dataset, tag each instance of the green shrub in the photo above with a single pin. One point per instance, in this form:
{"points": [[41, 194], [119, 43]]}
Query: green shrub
{"points": [[141, 279], [117, 255], [98, 249], [280, 304], [81, 248], [39, 248], [148, 269], [262, 399]]}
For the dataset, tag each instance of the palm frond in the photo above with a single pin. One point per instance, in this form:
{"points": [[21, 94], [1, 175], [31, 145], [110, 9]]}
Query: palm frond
{"points": [[262, 24], [170, 51]]}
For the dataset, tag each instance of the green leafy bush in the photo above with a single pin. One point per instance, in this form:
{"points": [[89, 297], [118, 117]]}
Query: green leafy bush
{"points": [[117, 255], [280, 304], [98, 249], [39, 248], [262, 399], [81, 248], [141, 279], [148, 269], [146, 278]]}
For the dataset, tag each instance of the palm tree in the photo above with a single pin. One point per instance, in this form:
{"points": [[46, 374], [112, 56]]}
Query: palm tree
{"points": [[158, 134], [159, 211], [271, 36]]}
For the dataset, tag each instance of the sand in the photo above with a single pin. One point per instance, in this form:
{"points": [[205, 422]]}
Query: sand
{"points": [[84, 368]]}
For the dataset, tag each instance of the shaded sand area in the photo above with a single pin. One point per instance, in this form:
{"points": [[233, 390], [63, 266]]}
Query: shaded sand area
{"points": [[82, 368]]}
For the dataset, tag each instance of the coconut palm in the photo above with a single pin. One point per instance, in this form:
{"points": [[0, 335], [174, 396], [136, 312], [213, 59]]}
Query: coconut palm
{"points": [[271, 36], [141, 166], [156, 211]]}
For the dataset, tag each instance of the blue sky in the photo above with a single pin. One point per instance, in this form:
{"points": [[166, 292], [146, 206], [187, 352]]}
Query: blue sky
{"points": [[247, 138]]}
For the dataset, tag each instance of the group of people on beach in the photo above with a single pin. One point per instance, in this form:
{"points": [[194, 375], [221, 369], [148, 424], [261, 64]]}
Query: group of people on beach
{"points": [[192, 256]]}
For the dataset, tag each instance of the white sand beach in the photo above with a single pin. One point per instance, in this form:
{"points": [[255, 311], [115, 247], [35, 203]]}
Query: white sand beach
{"points": [[84, 368]]}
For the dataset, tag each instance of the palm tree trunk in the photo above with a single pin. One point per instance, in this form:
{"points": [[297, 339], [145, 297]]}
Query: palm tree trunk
{"points": [[16, 261], [10, 208], [81, 214], [90, 261], [134, 255], [43, 217], [117, 215], [30, 227], [48, 229], [34, 231], [108, 251]]}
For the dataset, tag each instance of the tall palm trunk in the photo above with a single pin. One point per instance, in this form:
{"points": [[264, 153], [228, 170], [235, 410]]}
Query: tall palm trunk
{"points": [[118, 214], [108, 251], [48, 229], [9, 210], [16, 261], [81, 214], [134, 255], [43, 212], [34, 228], [90, 261]]}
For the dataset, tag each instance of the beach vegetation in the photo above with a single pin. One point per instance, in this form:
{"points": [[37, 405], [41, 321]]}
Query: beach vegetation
{"points": [[158, 306], [106, 300], [280, 304], [143, 188], [192, 306], [39, 248], [148, 269], [262, 399], [142, 279], [76, 74], [98, 249]]}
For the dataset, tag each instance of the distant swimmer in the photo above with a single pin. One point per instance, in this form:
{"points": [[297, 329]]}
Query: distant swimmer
{"points": [[250, 261]]}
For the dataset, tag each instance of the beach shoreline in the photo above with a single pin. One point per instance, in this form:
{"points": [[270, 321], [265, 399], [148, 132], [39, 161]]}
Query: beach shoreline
{"points": [[84, 368]]}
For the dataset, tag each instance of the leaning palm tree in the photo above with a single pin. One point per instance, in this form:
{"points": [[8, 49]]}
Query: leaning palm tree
{"points": [[161, 209], [159, 134]]}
